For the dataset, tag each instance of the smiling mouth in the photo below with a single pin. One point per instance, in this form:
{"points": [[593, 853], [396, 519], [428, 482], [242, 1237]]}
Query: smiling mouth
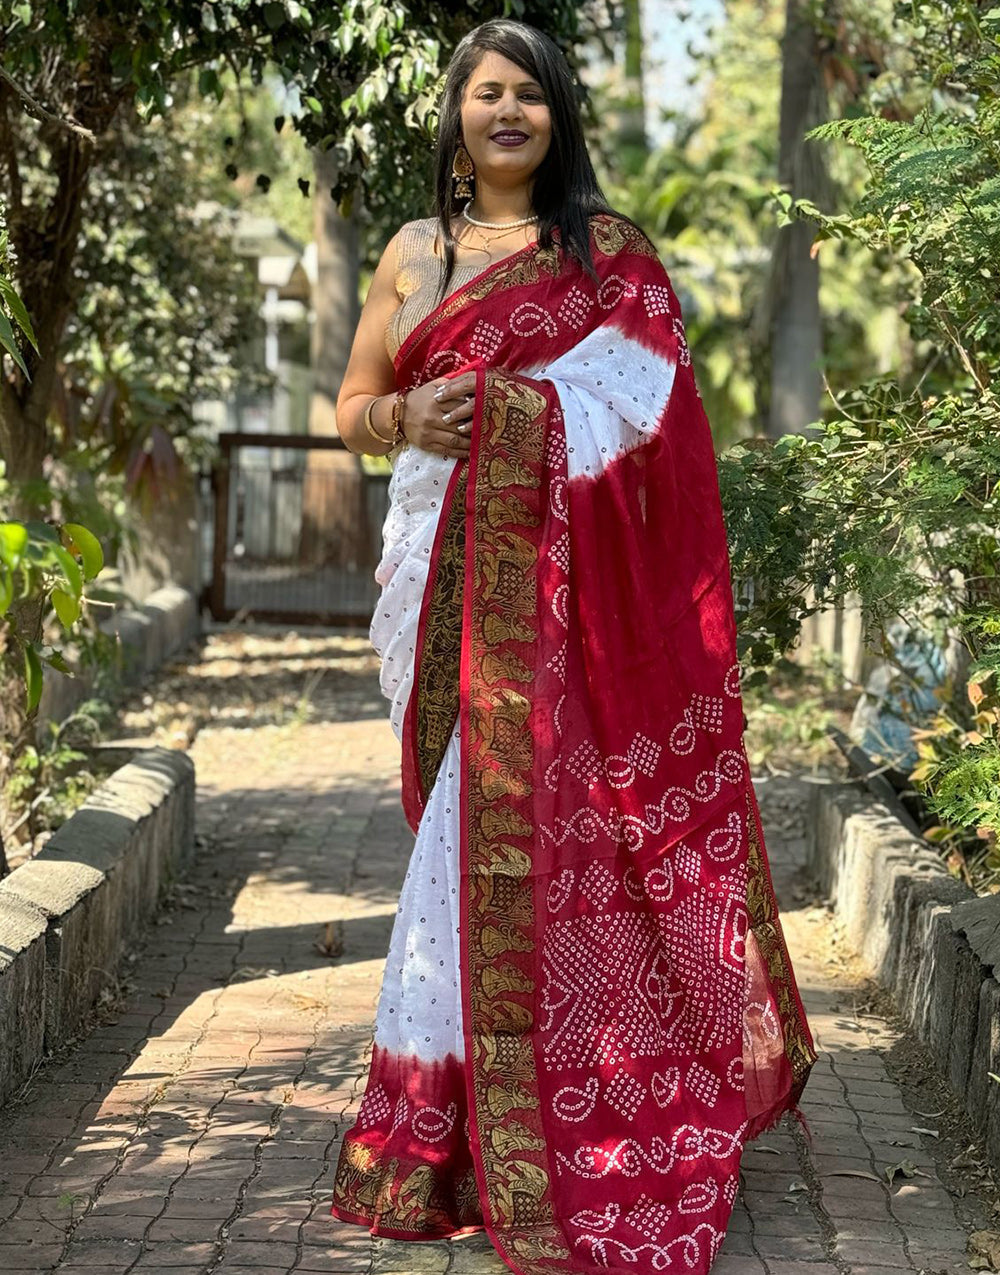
{"points": [[513, 136]]}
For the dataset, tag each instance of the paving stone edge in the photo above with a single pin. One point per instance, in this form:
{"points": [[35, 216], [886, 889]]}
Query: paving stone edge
{"points": [[922, 934]]}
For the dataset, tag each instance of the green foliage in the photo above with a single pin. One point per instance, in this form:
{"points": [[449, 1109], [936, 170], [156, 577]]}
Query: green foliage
{"points": [[39, 562], [896, 499], [13, 314], [168, 313], [49, 780], [706, 198], [891, 503], [791, 714], [361, 76]]}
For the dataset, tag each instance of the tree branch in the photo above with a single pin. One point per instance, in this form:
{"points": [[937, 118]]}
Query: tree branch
{"points": [[36, 108]]}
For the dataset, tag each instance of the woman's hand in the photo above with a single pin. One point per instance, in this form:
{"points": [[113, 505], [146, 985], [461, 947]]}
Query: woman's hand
{"points": [[438, 415]]}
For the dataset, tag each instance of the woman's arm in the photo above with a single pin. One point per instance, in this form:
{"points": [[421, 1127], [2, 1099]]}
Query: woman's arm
{"points": [[430, 420], [369, 371]]}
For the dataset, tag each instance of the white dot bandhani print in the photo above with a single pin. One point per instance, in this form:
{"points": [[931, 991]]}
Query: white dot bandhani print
{"points": [[665, 1086], [707, 712], [698, 1196], [590, 962], [598, 884], [575, 1102], [486, 340], [431, 1124], [529, 319], [648, 1217], [375, 1106], [614, 290], [704, 1084], [559, 553], [687, 862], [585, 763], [625, 1094], [613, 392], [575, 308], [656, 299]]}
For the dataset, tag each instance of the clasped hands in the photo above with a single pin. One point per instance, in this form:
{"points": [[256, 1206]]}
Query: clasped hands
{"points": [[438, 415]]}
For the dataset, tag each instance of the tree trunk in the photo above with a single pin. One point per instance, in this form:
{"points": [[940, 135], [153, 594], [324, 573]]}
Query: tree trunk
{"points": [[794, 320], [796, 337], [46, 239], [632, 120], [334, 524]]}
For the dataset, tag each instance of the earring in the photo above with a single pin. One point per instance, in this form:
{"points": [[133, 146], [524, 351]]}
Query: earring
{"points": [[461, 170]]}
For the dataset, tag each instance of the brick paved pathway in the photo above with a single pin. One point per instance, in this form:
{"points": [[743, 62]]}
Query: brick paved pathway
{"points": [[198, 1130]]}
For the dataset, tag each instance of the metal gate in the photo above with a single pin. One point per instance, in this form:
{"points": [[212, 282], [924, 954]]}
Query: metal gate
{"points": [[298, 530]]}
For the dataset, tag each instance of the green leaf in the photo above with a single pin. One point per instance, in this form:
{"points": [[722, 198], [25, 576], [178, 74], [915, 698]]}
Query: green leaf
{"points": [[42, 531], [55, 659], [365, 96], [86, 544], [274, 15], [32, 676], [9, 342], [70, 569], [208, 82], [13, 538], [6, 591], [16, 306], [67, 608], [314, 105]]}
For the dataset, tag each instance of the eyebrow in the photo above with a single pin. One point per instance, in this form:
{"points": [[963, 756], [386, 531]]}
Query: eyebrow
{"points": [[495, 84]]}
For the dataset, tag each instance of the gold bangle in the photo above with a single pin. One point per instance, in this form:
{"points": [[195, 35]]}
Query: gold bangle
{"points": [[369, 426], [398, 406]]}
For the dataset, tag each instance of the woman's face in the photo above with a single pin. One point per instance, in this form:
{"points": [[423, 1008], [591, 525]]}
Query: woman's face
{"points": [[500, 97]]}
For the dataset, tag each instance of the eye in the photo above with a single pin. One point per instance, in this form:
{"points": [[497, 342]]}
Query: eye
{"points": [[531, 94]]}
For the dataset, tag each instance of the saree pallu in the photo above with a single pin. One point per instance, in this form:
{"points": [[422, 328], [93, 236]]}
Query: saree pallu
{"points": [[572, 726]]}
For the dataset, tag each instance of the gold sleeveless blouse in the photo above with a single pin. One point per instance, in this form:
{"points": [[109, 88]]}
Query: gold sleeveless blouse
{"points": [[418, 275]]}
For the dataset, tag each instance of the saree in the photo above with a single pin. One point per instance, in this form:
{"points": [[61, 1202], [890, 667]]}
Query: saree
{"points": [[558, 638]]}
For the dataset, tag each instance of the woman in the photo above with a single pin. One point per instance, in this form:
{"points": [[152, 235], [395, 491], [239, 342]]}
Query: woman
{"points": [[588, 1006]]}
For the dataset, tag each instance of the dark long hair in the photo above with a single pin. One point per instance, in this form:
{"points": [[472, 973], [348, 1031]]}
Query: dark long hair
{"points": [[566, 192]]}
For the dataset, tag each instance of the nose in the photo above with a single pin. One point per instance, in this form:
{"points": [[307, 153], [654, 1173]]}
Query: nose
{"points": [[509, 108]]}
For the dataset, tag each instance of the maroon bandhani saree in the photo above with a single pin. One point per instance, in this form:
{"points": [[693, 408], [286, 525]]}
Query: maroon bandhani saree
{"points": [[625, 1008]]}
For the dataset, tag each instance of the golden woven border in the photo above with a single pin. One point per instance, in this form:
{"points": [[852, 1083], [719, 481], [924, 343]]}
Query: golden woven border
{"points": [[503, 554], [440, 656]]}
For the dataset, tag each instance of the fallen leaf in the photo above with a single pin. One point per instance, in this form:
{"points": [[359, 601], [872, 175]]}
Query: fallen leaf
{"points": [[906, 1167], [985, 1249]]}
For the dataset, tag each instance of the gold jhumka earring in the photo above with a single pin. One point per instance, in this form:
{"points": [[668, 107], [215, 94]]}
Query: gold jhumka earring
{"points": [[461, 170]]}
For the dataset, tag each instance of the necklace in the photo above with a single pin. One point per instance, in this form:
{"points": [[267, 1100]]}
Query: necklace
{"points": [[495, 225]]}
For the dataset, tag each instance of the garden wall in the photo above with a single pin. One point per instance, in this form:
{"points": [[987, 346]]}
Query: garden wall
{"points": [[66, 914], [923, 934]]}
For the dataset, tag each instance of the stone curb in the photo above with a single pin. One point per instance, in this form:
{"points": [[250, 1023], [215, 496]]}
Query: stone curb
{"points": [[922, 934], [151, 633], [146, 636], [66, 914]]}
